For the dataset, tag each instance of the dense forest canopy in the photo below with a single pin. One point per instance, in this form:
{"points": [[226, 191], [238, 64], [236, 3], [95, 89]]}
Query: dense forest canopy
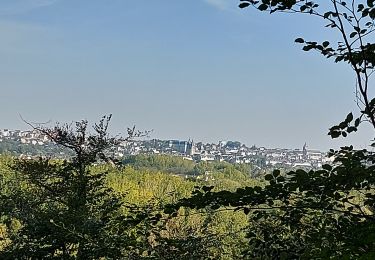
{"points": [[144, 190]]}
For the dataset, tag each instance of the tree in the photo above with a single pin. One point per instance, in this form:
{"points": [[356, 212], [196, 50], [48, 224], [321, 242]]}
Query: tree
{"points": [[329, 212], [66, 210]]}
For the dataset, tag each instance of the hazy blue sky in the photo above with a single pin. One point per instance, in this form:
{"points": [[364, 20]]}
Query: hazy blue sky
{"points": [[200, 69]]}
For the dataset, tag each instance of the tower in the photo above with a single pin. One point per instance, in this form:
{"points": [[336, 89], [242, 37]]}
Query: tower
{"points": [[190, 147], [304, 151]]}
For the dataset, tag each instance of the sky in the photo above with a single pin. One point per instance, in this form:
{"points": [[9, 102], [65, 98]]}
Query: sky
{"points": [[203, 70]]}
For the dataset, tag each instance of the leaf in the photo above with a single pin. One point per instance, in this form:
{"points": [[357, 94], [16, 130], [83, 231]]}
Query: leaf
{"points": [[372, 14], [243, 5], [353, 34], [343, 125], [263, 7], [325, 44], [334, 134], [339, 58], [352, 129], [327, 167], [307, 47], [349, 118], [268, 177], [327, 14], [276, 173], [299, 40]]}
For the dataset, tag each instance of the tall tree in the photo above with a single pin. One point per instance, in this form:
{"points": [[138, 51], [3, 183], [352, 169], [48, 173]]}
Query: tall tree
{"points": [[67, 211]]}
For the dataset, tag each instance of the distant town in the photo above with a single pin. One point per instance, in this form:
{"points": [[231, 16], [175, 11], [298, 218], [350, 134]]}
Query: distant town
{"points": [[32, 143]]}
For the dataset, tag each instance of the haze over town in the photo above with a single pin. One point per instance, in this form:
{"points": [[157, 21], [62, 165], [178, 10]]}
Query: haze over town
{"points": [[31, 144]]}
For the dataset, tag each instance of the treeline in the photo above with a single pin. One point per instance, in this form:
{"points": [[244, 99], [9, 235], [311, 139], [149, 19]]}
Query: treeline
{"points": [[180, 165], [16, 148]]}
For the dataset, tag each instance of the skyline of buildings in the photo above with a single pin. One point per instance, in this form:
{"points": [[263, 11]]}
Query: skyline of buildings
{"points": [[229, 151]]}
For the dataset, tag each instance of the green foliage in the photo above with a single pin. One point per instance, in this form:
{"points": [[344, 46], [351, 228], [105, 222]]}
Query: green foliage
{"points": [[44, 214], [15, 147], [189, 233], [316, 213], [171, 164], [65, 210], [142, 186]]}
